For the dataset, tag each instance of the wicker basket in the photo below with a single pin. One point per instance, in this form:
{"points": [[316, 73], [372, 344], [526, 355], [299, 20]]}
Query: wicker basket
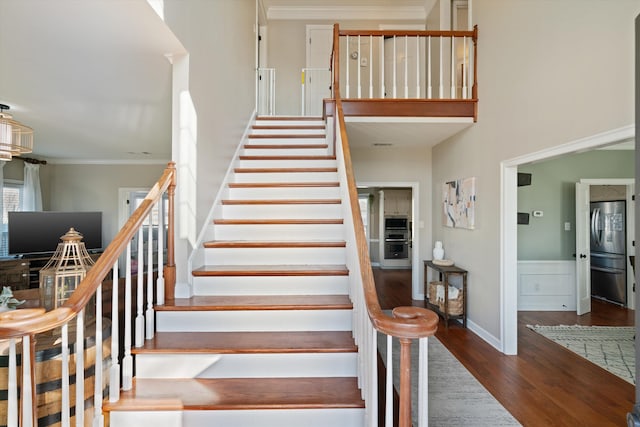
{"points": [[456, 305]]}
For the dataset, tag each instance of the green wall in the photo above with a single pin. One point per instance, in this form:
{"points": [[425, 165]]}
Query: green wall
{"points": [[552, 191]]}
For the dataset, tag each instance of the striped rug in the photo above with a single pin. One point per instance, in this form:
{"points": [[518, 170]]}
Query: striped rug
{"points": [[610, 347]]}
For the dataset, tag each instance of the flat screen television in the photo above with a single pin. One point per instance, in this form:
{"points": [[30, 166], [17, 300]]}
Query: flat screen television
{"points": [[39, 232]]}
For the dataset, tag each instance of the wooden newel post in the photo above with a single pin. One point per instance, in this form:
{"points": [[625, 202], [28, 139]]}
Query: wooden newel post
{"points": [[170, 267], [404, 413]]}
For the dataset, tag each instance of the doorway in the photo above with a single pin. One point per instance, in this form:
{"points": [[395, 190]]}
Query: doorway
{"points": [[393, 204], [316, 76], [508, 224]]}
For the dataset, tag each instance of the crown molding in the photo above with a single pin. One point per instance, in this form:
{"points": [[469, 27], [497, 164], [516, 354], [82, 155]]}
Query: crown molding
{"points": [[378, 13]]}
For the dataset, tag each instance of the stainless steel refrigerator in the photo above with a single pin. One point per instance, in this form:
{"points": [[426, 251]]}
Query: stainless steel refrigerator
{"points": [[608, 251]]}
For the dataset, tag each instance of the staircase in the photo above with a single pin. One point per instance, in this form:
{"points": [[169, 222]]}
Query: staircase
{"points": [[266, 338]]}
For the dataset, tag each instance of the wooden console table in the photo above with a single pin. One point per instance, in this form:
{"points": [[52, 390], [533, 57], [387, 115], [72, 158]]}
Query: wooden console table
{"points": [[444, 273]]}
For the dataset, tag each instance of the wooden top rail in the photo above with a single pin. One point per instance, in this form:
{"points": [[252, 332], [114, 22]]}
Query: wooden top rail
{"points": [[18, 323], [408, 322], [411, 33]]}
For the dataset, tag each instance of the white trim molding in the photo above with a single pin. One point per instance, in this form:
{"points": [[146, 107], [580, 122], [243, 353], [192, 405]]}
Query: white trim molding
{"points": [[409, 13]]}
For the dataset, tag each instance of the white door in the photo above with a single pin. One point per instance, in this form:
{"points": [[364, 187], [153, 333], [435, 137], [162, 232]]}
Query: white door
{"points": [[402, 77], [583, 250], [316, 79]]}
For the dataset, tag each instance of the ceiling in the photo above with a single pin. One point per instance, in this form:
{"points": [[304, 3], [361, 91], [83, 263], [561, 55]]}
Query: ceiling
{"points": [[95, 84], [90, 77]]}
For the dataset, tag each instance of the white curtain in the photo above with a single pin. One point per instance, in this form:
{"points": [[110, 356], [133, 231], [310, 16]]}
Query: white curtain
{"points": [[32, 195]]}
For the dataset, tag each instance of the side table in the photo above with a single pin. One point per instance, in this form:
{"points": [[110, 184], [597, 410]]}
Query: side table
{"points": [[444, 273]]}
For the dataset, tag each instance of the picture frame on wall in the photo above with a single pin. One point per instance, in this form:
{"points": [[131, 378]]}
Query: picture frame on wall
{"points": [[459, 203]]}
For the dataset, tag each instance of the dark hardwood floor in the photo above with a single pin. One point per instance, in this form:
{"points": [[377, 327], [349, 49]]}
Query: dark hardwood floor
{"points": [[545, 384]]}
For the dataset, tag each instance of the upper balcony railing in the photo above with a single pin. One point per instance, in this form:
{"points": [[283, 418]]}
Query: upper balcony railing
{"points": [[433, 72]]}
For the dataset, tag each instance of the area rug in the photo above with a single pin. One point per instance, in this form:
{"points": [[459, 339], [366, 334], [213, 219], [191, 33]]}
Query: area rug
{"points": [[610, 347], [456, 398]]}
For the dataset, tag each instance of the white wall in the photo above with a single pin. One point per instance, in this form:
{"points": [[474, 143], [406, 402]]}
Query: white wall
{"points": [[401, 165], [94, 188], [548, 73], [220, 39]]}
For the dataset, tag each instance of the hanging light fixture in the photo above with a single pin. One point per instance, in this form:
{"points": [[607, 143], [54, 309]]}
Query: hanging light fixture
{"points": [[15, 138]]}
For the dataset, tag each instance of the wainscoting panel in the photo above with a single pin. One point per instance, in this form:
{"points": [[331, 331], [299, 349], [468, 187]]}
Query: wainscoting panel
{"points": [[547, 285]]}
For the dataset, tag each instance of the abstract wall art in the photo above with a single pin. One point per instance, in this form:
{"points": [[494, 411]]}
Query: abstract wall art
{"points": [[459, 203]]}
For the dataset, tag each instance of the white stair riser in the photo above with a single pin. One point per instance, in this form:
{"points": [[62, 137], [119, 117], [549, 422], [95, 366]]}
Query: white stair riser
{"points": [[285, 141], [337, 417], [276, 365], [279, 163], [147, 418], [269, 193], [284, 232], [283, 211], [347, 417], [271, 285], [254, 320], [285, 177], [285, 151], [270, 256], [288, 131]]}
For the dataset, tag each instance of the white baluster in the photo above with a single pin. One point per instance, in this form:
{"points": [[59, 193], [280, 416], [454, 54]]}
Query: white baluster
{"points": [[428, 62], [12, 385], [149, 316], [98, 419], [370, 66], [303, 79], [27, 390], [464, 68], [423, 379], [347, 56], [395, 59], [80, 369], [453, 69], [359, 70], [441, 87], [114, 373], [418, 67], [406, 67], [65, 409], [160, 281], [382, 61], [140, 289], [388, 418], [127, 361], [373, 372]]}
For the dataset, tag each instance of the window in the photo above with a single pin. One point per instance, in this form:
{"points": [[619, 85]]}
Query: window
{"points": [[11, 202], [134, 201]]}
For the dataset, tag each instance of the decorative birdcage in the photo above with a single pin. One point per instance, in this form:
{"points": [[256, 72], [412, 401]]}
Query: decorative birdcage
{"points": [[60, 277]]}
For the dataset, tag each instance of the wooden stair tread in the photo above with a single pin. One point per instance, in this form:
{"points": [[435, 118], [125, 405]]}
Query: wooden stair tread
{"points": [[283, 170], [284, 157], [249, 342], [283, 127], [287, 136], [291, 118], [277, 221], [281, 202], [282, 184], [239, 393], [273, 244], [271, 270], [284, 146], [257, 302]]}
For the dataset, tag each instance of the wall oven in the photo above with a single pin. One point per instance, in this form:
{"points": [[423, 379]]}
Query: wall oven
{"points": [[396, 238]]}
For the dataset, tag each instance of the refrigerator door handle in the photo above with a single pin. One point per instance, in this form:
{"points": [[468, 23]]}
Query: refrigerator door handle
{"points": [[596, 235]]}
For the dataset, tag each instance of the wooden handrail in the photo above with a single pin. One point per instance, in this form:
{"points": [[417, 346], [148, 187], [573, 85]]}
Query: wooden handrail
{"points": [[408, 322], [14, 324], [409, 33]]}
